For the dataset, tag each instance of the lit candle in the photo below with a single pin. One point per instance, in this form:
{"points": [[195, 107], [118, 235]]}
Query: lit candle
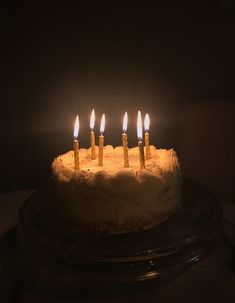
{"points": [[146, 136], [92, 134], [140, 140], [125, 141], [76, 144], [101, 140]]}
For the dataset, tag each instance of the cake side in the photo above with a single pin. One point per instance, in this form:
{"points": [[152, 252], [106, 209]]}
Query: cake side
{"points": [[114, 198]]}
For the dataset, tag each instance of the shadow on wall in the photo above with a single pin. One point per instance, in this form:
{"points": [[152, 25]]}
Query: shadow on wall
{"points": [[206, 145]]}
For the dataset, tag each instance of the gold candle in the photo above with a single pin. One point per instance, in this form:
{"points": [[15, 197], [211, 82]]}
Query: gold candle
{"points": [[92, 134], [146, 136], [92, 139], [141, 154], [125, 141], [76, 144], [101, 150], [101, 141], [76, 154], [140, 140]]}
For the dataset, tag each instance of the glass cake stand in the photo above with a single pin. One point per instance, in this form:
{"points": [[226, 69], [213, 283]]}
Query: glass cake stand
{"points": [[57, 259]]}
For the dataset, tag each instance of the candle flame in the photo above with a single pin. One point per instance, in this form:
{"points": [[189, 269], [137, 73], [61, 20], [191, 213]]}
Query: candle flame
{"points": [[139, 126], [102, 124], [76, 128], [92, 119], [125, 121], [146, 122]]}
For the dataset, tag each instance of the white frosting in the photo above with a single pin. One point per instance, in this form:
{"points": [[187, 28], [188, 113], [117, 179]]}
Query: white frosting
{"points": [[117, 198]]}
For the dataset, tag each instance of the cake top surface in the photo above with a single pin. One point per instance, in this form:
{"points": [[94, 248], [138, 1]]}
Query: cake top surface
{"points": [[162, 163]]}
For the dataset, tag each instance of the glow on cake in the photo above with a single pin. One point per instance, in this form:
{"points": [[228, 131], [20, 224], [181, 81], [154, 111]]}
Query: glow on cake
{"points": [[112, 198]]}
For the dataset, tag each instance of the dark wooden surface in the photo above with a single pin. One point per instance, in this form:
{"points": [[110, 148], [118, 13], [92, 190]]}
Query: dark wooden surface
{"points": [[210, 280]]}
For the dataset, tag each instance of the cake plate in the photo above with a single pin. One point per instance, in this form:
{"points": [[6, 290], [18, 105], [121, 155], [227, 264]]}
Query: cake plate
{"points": [[59, 260]]}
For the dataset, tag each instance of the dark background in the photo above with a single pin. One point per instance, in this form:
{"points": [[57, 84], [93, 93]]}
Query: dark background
{"points": [[175, 62]]}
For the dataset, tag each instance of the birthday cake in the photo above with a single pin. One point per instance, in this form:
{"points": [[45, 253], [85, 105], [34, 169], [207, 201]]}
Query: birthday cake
{"points": [[112, 198]]}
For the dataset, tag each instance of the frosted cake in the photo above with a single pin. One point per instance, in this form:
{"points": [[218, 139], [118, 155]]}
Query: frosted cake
{"points": [[112, 198]]}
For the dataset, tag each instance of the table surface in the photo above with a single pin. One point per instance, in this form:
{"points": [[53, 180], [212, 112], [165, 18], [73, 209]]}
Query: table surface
{"points": [[210, 280]]}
